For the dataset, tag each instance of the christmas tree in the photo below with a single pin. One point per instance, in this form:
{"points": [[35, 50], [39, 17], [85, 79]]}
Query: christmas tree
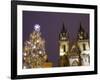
{"points": [[34, 55]]}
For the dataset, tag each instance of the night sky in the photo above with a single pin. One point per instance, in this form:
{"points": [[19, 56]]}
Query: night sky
{"points": [[51, 24]]}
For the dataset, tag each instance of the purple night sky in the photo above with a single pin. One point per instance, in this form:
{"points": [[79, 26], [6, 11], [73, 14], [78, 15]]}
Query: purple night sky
{"points": [[51, 24]]}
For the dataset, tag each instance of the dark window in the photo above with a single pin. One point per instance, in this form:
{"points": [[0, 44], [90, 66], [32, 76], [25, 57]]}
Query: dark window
{"points": [[64, 48], [84, 47]]}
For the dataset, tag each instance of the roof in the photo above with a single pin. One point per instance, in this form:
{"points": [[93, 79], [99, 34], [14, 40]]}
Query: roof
{"points": [[74, 51]]}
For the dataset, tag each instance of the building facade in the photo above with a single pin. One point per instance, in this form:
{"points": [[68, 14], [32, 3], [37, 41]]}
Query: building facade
{"points": [[76, 54]]}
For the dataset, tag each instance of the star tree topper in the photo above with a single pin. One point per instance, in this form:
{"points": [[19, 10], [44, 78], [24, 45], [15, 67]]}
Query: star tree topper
{"points": [[37, 27]]}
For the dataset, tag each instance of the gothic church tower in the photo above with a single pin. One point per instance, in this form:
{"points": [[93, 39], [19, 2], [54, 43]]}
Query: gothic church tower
{"points": [[83, 44], [63, 46]]}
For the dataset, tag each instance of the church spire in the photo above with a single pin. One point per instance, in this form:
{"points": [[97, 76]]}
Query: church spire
{"points": [[82, 34], [63, 29], [63, 33], [81, 29]]}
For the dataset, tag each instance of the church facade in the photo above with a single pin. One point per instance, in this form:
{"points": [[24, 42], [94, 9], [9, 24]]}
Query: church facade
{"points": [[76, 53]]}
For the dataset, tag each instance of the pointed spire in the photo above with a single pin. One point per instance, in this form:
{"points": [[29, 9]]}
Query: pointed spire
{"points": [[63, 29], [81, 29], [63, 34], [82, 34]]}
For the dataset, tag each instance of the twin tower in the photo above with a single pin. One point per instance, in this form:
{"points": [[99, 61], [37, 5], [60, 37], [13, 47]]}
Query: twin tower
{"points": [[76, 54]]}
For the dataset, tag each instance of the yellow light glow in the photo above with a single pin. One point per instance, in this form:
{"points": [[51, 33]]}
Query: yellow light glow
{"points": [[40, 52], [34, 47], [37, 41], [61, 49], [25, 54], [62, 53]]}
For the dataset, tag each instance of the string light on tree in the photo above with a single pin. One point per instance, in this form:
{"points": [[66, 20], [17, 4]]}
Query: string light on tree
{"points": [[34, 50]]}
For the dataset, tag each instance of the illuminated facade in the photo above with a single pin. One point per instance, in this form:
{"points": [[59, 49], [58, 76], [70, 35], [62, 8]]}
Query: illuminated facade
{"points": [[64, 46], [83, 44], [76, 54]]}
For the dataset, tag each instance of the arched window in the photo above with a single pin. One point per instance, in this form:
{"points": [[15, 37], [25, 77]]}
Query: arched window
{"points": [[64, 48], [84, 47]]}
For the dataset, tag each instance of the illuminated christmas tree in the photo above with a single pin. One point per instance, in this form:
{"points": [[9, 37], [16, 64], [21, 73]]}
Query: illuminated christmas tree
{"points": [[34, 55]]}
